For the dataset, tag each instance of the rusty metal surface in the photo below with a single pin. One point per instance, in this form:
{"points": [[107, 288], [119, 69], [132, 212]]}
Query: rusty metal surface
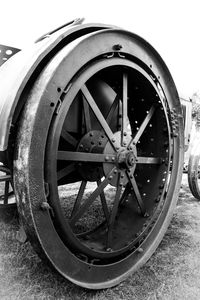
{"points": [[51, 151], [6, 52]]}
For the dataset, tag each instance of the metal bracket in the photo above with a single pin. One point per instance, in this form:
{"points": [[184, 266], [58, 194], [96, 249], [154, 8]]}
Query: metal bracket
{"points": [[6, 52]]}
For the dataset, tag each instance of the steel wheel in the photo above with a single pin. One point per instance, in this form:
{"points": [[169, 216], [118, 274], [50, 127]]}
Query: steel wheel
{"points": [[194, 170], [92, 169]]}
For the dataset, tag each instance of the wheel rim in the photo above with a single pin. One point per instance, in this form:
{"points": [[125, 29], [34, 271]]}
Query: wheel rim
{"points": [[115, 165], [131, 139]]}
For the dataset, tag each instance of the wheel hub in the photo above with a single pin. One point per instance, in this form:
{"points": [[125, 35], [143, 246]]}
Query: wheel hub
{"points": [[96, 141], [126, 159]]}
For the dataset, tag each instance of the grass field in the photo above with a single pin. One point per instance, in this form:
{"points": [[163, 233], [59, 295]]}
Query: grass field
{"points": [[173, 272]]}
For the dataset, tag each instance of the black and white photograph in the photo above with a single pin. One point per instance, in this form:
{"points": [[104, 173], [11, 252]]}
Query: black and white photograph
{"points": [[100, 150]]}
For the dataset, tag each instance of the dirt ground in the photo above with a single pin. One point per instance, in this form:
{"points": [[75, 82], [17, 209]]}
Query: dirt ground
{"points": [[173, 272]]}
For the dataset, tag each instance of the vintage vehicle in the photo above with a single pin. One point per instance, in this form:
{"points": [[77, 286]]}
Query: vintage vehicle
{"points": [[92, 143]]}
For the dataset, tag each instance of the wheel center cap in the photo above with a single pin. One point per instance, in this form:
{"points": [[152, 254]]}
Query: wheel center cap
{"points": [[130, 159], [126, 159]]}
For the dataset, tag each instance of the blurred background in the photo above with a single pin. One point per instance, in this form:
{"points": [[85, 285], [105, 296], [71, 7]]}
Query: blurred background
{"points": [[172, 27]]}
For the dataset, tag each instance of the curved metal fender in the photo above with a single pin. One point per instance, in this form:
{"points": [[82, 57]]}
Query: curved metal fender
{"points": [[17, 72]]}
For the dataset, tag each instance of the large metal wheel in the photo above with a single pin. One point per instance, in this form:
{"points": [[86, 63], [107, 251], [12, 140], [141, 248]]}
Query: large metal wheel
{"points": [[194, 169], [99, 158]]}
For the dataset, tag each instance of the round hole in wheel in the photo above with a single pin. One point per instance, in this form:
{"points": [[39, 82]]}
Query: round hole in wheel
{"points": [[97, 175]]}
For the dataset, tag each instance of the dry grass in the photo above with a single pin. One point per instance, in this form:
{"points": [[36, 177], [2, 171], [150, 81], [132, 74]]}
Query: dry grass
{"points": [[173, 272]]}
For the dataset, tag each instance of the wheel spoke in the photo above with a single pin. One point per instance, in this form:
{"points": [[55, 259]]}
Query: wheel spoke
{"points": [[87, 117], [114, 212], [136, 192], [124, 106], [112, 110], [91, 199], [69, 138], [5, 178], [104, 203], [65, 171], [125, 194], [87, 157], [143, 125], [149, 160], [79, 197], [6, 192], [97, 113]]}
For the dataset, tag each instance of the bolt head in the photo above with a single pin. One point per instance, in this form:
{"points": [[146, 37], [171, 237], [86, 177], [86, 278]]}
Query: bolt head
{"points": [[140, 250], [117, 47], [108, 250], [45, 206]]}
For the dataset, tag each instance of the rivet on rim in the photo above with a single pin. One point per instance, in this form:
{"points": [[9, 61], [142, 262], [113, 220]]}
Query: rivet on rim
{"points": [[140, 250]]}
